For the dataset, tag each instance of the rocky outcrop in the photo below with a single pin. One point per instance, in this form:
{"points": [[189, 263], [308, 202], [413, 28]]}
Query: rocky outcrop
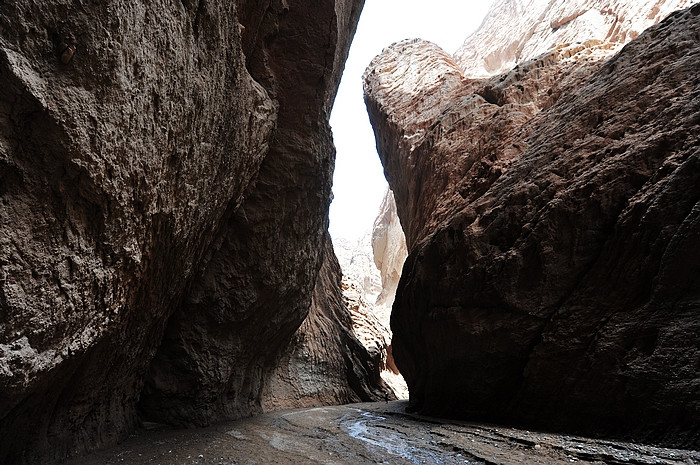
{"points": [[257, 287], [552, 219], [165, 174], [519, 30], [363, 287]]}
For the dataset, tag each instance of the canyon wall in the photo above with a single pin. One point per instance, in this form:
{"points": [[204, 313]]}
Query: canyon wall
{"points": [[327, 363], [552, 216], [517, 31], [388, 251], [165, 175], [367, 290]]}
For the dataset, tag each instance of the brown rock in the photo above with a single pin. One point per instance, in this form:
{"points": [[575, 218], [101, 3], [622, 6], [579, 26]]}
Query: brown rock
{"points": [[171, 177], [115, 177], [223, 343], [553, 228], [326, 363]]}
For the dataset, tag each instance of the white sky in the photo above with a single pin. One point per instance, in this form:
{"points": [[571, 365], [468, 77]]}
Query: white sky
{"points": [[358, 183]]}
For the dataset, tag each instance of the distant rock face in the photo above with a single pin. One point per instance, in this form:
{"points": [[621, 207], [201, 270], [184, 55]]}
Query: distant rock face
{"points": [[368, 295], [389, 250], [356, 260], [327, 364], [520, 30], [165, 174], [552, 216]]}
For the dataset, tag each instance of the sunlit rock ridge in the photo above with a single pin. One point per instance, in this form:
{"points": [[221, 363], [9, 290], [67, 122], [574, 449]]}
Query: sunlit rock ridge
{"points": [[548, 182], [516, 31]]}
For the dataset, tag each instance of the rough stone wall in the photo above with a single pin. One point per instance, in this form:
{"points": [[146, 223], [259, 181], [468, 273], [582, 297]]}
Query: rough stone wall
{"points": [[115, 177], [503, 42], [157, 159], [257, 288], [552, 220], [432, 122], [326, 353]]}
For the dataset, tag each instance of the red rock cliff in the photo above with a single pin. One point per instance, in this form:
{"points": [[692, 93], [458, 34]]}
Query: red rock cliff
{"points": [[552, 215]]}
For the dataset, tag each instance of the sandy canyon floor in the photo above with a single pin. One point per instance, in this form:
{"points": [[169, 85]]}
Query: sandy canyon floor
{"points": [[370, 433]]}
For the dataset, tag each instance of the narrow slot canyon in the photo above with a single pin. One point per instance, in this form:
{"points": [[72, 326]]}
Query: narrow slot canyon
{"points": [[291, 232]]}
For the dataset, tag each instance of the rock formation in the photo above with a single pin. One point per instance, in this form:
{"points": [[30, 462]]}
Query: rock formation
{"points": [[366, 291], [520, 30], [327, 364], [165, 174], [552, 215], [356, 261], [389, 251]]}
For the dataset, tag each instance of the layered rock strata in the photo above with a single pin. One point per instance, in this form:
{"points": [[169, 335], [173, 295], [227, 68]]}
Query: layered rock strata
{"points": [[165, 169], [519, 30], [552, 215]]}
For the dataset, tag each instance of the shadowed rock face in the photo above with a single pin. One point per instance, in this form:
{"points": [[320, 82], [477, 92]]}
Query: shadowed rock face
{"points": [[224, 341], [165, 169], [326, 353], [553, 221]]}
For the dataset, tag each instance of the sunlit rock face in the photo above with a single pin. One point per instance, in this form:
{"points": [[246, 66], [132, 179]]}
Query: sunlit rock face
{"points": [[389, 251], [367, 290], [165, 174], [326, 363], [552, 218], [519, 30]]}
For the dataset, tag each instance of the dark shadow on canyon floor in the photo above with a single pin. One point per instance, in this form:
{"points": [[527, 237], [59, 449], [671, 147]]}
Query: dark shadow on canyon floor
{"points": [[370, 433]]}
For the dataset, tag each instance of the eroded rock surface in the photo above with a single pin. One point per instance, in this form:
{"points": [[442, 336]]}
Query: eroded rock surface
{"points": [[519, 30], [371, 269], [552, 215], [257, 288], [326, 364], [165, 169]]}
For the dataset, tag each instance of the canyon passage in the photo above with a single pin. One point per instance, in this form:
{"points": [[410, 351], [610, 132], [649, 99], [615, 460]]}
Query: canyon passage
{"points": [[165, 262]]}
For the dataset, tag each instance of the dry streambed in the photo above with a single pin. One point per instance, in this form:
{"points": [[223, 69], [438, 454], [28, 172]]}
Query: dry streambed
{"points": [[370, 433]]}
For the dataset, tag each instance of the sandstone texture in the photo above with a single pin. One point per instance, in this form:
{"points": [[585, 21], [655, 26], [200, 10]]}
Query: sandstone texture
{"points": [[552, 216], [518, 30], [365, 297], [165, 174]]}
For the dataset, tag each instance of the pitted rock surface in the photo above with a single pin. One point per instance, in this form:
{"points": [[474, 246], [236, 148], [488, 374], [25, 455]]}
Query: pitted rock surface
{"points": [[551, 216], [165, 173]]}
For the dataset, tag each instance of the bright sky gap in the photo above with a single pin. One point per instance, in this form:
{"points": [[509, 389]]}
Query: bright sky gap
{"points": [[358, 183]]}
